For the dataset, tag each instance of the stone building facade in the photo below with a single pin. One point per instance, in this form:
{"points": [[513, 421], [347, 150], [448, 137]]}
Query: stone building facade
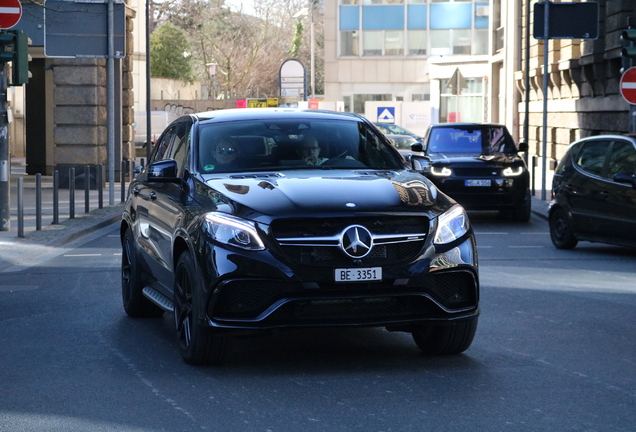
{"points": [[66, 111], [583, 91]]}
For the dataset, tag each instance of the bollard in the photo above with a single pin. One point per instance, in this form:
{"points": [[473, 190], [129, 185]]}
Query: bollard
{"points": [[38, 202], [534, 164], [87, 188], [123, 181], [100, 189], [56, 197], [20, 207], [71, 193]]}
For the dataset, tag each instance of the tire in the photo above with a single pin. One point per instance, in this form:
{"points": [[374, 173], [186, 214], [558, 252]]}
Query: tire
{"points": [[561, 230], [525, 212], [136, 304], [446, 339], [199, 344]]}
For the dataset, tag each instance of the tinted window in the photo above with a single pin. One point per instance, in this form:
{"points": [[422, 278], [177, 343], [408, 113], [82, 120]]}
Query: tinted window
{"points": [[163, 145], [179, 148], [285, 144], [591, 156], [471, 141], [622, 159]]}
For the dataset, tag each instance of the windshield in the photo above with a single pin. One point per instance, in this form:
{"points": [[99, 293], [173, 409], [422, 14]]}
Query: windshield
{"points": [[471, 141], [266, 145]]}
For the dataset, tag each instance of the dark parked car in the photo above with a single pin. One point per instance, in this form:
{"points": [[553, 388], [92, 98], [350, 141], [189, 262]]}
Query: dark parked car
{"points": [[594, 193], [250, 220], [478, 165], [393, 129]]}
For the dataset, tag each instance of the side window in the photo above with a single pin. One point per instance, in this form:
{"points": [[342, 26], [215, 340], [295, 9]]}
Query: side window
{"points": [[591, 156], [179, 149], [163, 145], [622, 159]]}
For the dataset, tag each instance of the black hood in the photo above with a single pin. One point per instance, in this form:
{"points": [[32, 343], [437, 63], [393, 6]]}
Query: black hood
{"points": [[309, 192]]}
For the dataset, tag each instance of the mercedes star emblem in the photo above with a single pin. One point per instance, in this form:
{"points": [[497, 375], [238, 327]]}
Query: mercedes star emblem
{"points": [[356, 241]]}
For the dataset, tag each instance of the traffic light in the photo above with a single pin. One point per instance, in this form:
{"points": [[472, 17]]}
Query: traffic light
{"points": [[14, 47], [20, 70], [6, 46], [628, 53]]}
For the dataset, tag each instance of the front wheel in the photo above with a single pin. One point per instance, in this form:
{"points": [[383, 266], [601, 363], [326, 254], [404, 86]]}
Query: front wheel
{"points": [[454, 338], [198, 344], [136, 304], [561, 230]]}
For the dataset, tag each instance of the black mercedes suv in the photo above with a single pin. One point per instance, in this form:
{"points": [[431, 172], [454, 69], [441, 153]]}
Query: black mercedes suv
{"points": [[250, 220]]}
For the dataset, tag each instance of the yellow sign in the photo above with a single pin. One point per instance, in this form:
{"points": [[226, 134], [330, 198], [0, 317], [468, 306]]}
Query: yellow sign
{"points": [[262, 103]]}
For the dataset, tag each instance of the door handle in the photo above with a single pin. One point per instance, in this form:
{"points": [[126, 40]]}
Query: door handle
{"points": [[604, 194], [153, 195]]}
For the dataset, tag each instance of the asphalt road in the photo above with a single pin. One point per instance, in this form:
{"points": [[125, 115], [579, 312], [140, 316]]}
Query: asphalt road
{"points": [[554, 352]]}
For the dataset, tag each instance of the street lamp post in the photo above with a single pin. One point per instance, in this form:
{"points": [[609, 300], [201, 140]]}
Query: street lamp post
{"points": [[212, 72]]}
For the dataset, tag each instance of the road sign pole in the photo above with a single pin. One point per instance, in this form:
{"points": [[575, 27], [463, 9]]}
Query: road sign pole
{"points": [[546, 41], [5, 161]]}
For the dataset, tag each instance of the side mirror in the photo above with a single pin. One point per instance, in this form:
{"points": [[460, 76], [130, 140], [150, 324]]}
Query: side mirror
{"points": [[417, 147], [625, 178], [163, 171], [419, 163], [523, 147]]}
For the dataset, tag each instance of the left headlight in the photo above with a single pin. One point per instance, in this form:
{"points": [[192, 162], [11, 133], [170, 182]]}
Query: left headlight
{"points": [[232, 231], [513, 171], [451, 225]]}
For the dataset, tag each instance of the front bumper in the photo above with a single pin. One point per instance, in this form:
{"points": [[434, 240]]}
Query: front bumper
{"points": [[263, 294]]}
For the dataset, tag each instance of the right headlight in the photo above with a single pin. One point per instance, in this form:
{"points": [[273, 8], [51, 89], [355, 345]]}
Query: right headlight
{"points": [[232, 231], [451, 225]]}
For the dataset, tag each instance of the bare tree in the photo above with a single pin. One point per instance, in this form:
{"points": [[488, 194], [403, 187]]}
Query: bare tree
{"points": [[248, 49]]}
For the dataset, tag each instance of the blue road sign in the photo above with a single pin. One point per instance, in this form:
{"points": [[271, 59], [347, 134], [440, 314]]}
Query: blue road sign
{"points": [[386, 115]]}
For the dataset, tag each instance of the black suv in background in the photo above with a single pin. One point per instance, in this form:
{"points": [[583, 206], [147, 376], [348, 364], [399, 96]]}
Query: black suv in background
{"points": [[478, 165], [594, 193], [250, 220]]}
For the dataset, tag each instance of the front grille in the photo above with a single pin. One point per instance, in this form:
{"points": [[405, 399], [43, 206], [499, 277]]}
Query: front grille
{"points": [[316, 241], [320, 227], [477, 172], [247, 299], [372, 309], [334, 257]]}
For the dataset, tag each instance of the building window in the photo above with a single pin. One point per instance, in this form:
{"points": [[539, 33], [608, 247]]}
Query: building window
{"points": [[372, 43], [413, 27], [360, 99], [394, 42], [468, 106], [420, 97], [349, 43], [417, 42]]}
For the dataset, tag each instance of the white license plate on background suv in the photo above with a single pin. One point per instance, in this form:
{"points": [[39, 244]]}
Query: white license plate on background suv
{"points": [[358, 274], [477, 182]]}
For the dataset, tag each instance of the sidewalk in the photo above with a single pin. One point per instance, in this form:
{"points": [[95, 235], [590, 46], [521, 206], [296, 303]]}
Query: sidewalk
{"points": [[14, 249]]}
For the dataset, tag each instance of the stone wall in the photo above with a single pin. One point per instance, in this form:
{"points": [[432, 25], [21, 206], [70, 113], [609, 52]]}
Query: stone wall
{"points": [[80, 106], [583, 91]]}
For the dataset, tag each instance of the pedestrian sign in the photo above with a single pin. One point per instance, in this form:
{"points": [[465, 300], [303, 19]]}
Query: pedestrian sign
{"points": [[386, 115]]}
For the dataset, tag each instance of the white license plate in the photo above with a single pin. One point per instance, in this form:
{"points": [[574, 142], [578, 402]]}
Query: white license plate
{"points": [[358, 274], [477, 183]]}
